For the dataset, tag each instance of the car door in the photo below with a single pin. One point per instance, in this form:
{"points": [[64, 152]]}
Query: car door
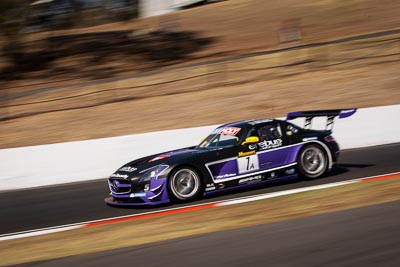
{"points": [[221, 159], [272, 149], [270, 153]]}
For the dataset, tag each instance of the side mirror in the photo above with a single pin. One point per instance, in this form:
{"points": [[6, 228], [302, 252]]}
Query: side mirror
{"points": [[251, 140]]}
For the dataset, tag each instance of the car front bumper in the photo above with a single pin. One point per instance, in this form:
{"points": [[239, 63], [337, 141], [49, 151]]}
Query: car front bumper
{"points": [[156, 194]]}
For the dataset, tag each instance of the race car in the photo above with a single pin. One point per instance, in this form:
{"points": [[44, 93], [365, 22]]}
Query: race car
{"points": [[234, 155]]}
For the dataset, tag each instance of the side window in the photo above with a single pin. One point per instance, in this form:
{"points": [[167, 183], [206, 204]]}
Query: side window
{"points": [[292, 128], [227, 140], [252, 132], [270, 136], [270, 132]]}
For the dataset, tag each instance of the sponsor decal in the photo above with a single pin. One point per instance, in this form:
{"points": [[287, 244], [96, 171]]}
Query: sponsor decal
{"points": [[289, 171], [140, 194], [127, 169], [309, 138], [229, 131], [250, 180], [253, 146], [210, 188], [268, 144], [248, 164], [225, 175], [146, 187], [260, 121], [344, 111], [244, 154], [159, 157], [117, 175]]}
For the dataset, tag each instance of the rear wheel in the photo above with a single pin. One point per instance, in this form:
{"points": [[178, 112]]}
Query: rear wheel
{"points": [[312, 161], [184, 184]]}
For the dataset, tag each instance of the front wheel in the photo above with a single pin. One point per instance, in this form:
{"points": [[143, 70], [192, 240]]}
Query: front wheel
{"points": [[184, 184], [312, 161]]}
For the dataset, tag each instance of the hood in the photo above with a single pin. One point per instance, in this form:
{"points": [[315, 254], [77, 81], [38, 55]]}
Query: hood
{"points": [[165, 155], [173, 154], [134, 167]]}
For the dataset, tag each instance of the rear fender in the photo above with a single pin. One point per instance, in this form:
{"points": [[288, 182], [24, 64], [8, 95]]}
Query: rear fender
{"points": [[325, 147]]}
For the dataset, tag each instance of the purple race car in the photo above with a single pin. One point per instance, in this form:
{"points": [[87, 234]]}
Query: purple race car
{"points": [[234, 155]]}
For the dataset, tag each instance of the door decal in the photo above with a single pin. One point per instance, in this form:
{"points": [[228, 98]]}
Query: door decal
{"points": [[248, 164]]}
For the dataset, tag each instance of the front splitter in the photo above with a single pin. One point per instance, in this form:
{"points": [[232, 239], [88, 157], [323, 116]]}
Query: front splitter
{"points": [[111, 202]]}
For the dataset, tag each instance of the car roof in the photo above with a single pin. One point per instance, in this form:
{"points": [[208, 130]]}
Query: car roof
{"points": [[247, 123]]}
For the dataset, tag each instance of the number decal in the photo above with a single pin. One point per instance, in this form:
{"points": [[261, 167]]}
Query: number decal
{"points": [[248, 164]]}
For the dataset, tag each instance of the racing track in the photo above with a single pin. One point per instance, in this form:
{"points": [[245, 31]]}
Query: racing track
{"points": [[63, 204], [367, 236]]}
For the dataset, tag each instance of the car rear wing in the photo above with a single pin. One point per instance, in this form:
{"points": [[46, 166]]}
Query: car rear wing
{"points": [[329, 114]]}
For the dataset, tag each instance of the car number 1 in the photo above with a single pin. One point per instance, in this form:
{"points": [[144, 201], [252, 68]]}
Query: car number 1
{"points": [[248, 164]]}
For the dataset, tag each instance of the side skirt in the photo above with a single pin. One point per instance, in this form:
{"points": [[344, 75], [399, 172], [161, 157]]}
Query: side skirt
{"points": [[252, 180]]}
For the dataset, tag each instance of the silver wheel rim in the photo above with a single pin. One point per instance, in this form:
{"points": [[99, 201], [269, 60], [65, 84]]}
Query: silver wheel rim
{"points": [[185, 183], [313, 160]]}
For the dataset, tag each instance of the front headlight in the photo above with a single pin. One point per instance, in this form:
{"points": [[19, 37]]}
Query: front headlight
{"points": [[153, 172]]}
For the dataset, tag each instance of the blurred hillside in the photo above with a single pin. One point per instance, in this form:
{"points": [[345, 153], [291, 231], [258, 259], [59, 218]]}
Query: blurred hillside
{"points": [[131, 71], [199, 34]]}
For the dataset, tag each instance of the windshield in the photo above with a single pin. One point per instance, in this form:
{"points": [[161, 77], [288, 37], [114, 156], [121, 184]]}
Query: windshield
{"points": [[222, 137]]}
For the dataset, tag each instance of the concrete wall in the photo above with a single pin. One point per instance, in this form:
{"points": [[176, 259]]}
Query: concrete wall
{"points": [[34, 166], [148, 8]]}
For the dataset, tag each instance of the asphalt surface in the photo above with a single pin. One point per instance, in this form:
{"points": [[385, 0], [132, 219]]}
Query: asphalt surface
{"points": [[29, 209], [367, 236]]}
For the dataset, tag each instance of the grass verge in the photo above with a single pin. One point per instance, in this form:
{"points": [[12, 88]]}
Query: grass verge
{"points": [[124, 234]]}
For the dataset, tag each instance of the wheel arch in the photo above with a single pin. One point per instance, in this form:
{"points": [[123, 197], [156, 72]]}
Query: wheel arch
{"points": [[192, 166], [321, 144], [189, 166]]}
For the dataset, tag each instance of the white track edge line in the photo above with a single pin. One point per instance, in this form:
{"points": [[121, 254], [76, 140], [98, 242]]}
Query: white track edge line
{"points": [[39, 232], [283, 193], [66, 227], [314, 186], [82, 224]]}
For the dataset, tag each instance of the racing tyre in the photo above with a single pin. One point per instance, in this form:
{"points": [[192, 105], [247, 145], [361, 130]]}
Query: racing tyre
{"points": [[184, 184], [312, 162]]}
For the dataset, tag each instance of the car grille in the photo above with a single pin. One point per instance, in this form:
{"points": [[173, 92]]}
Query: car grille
{"points": [[119, 186]]}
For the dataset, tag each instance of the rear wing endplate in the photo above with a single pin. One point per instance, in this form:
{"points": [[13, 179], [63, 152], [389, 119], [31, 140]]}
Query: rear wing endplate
{"points": [[329, 114]]}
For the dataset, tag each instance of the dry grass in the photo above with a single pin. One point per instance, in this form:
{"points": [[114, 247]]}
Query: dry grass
{"points": [[144, 231]]}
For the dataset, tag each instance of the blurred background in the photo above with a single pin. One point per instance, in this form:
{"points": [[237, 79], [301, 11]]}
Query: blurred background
{"points": [[74, 70], [82, 69]]}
